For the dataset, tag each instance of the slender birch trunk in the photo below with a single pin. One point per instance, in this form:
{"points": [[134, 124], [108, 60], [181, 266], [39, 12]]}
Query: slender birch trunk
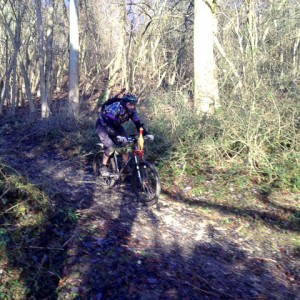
{"points": [[49, 51], [14, 88], [16, 41], [206, 95], [9, 68], [74, 58], [45, 106]]}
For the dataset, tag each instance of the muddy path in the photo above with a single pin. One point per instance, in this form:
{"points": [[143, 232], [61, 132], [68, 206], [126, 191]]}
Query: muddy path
{"points": [[120, 249]]}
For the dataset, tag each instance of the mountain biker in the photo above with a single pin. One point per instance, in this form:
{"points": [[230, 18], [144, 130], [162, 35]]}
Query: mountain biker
{"points": [[115, 112]]}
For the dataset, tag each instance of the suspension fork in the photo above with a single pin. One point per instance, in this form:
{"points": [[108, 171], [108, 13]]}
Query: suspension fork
{"points": [[138, 168], [115, 158]]}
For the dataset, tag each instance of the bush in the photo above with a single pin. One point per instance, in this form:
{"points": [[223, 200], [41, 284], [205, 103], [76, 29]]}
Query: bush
{"points": [[260, 135]]}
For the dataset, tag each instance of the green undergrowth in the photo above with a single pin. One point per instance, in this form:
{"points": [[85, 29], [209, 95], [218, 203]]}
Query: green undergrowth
{"points": [[230, 141], [241, 160], [62, 132], [33, 229]]}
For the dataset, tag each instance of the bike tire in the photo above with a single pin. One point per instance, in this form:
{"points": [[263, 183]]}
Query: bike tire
{"points": [[148, 188], [97, 164]]}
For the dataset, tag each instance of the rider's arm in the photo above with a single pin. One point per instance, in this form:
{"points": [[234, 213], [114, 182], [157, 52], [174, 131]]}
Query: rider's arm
{"points": [[137, 122]]}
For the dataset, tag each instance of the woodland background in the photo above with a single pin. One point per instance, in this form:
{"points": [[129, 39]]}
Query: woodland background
{"points": [[149, 48], [218, 82]]}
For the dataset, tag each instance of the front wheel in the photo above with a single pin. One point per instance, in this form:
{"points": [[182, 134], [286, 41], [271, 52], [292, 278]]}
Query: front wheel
{"points": [[146, 183], [108, 181]]}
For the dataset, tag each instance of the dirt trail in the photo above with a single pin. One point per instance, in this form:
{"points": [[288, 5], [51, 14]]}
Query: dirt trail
{"points": [[120, 249]]}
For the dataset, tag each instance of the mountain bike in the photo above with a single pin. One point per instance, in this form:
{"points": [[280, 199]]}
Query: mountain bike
{"points": [[144, 177]]}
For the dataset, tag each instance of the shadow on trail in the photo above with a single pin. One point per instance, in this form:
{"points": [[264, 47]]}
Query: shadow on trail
{"points": [[105, 260], [269, 218], [127, 256], [35, 241], [265, 198]]}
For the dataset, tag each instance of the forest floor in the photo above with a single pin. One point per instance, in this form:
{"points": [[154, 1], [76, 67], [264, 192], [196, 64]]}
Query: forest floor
{"points": [[116, 248]]}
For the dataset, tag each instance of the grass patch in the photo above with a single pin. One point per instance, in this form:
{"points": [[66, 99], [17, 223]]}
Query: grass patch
{"points": [[32, 231]]}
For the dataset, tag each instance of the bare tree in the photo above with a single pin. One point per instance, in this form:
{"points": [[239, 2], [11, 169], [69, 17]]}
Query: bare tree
{"points": [[12, 17], [147, 46], [49, 50], [74, 58], [206, 95], [45, 107]]}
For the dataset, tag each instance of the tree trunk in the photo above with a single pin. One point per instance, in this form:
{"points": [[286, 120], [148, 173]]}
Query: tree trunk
{"points": [[49, 51], [295, 56], [127, 79], [45, 107], [2, 89], [24, 70], [16, 41], [206, 97], [74, 58], [27, 87], [114, 69], [9, 69], [14, 89]]}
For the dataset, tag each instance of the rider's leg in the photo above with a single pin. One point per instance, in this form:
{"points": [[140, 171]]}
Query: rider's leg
{"points": [[125, 157], [106, 155], [109, 147], [105, 159], [125, 167]]}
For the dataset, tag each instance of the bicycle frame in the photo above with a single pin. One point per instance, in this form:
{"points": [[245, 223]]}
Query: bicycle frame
{"points": [[144, 177], [137, 155]]}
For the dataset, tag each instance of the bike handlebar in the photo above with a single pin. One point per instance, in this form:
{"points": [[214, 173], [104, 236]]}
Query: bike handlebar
{"points": [[131, 139]]}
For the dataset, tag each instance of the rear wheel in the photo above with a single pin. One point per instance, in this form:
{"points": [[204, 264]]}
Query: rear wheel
{"points": [[146, 187], [108, 181]]}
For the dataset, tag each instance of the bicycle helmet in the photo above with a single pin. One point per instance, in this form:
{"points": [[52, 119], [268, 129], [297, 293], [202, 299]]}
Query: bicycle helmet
{"points": [[130, 98]]}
